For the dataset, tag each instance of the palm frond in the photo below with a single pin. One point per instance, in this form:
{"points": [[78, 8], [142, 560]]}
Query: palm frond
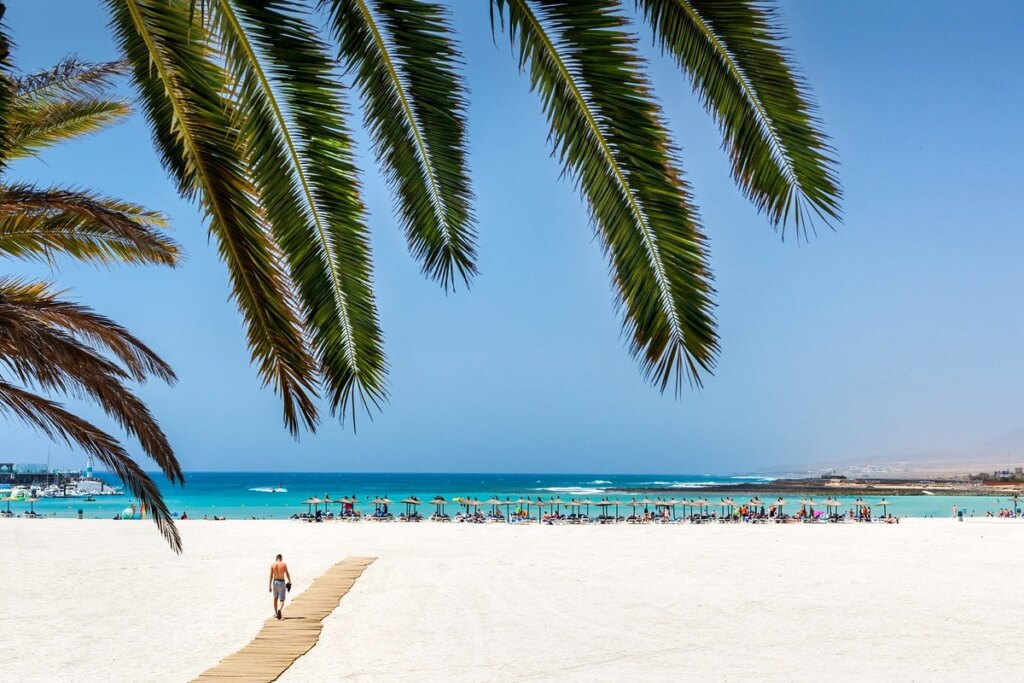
{"points": [[6, 85], [183, 93], [406, 64], [42, 222], [733, 54], [41, 302], [43, 355], [70, 78], [35, 127], [302, 168], [609, 134], [72, 99], [57, 423]]}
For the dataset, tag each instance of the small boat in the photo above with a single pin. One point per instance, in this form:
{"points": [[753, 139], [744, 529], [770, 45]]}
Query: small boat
{"points": [[90, 498]]}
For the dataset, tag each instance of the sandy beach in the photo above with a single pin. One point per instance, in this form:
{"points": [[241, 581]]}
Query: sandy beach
{"points": [[923, 600]]}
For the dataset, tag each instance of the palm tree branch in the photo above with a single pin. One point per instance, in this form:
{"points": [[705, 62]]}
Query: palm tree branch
{"points": [[329, 256], [404, 65], [39, 301], [43, 221], [34, 127], [69, 78], [56, 422], [189, 114], [624, 186], [237, 32], [54, 360], [732, 54], [610, 137]]}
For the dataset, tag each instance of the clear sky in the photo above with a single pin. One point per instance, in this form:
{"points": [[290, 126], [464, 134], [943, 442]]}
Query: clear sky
{"points": [[903, 331]]}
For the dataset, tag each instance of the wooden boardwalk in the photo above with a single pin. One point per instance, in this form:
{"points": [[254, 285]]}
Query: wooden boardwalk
{"points": [[280, 643]]}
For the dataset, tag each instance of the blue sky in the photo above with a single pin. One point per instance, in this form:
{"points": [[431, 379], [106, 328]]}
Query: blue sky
{"points": [[898, 333]]}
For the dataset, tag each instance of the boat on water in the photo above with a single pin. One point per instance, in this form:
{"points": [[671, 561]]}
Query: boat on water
{"points": [[270, 489], [89, 498]]}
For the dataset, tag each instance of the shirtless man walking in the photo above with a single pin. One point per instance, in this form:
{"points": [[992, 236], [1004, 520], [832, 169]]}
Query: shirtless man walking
{"points": [[278, 584]]}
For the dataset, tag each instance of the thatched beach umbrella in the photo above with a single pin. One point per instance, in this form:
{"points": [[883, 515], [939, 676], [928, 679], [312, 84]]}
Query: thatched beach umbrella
{"points": [[703, 503], [779, 504], [540, 504], [605, 504], [411, 503], [831, 503], [310, 502], [558, 503], [756, 502], [884, 503], [32, 505], [439, 502], [494, 503]]}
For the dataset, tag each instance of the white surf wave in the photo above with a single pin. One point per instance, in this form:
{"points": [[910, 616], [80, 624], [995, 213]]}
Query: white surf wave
{"points": [[578, 490], [269, 489]]}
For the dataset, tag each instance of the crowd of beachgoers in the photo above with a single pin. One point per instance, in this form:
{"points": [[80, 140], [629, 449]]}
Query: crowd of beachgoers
{"points": [[557, 511]]}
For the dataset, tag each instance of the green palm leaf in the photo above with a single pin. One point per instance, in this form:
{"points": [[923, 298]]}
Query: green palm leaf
{"points": [[55, 422], [41, 223], [183, 91], [732, 54], [302, 168], [47, 355], [6, 86], [70, 100], [609, 134], [33, 128], [405, 63]]}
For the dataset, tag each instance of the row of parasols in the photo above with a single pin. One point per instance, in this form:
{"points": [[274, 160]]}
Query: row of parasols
{"points": [[727, 505]]}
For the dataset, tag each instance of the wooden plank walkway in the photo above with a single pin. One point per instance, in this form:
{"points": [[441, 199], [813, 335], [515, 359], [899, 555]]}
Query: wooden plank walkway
{"points": [[280, 643]]}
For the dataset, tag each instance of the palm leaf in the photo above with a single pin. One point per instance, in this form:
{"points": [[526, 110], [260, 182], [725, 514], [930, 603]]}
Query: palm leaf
{"points": [[69, 100], [302, 168], [55, 422], [733, 55], [406, 64], [39, 301], [70, 78], [34, 127], [44, 355], [183, 93], [40, 223], [609, 135], [6, 86]]}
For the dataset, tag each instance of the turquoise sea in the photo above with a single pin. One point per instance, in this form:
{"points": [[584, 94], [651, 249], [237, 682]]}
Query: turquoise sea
{"points": [[244, 495]]}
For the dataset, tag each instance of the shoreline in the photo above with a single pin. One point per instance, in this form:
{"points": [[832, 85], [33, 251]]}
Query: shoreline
{"points": [[841, 487]]}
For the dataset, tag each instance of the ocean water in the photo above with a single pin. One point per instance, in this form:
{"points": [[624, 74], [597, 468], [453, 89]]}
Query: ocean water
{"points": [[245, 495]]}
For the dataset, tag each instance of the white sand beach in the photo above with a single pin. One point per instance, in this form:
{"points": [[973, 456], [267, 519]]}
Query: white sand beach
{"points": [[922, 600]]}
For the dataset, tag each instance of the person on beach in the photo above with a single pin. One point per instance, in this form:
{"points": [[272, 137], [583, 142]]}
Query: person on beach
{"points": [[280, 583]]}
